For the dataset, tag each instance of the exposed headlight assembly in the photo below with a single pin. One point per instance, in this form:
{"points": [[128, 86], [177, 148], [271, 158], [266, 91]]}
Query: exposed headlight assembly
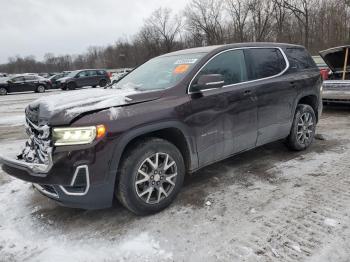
{"points": [[77, 135]]}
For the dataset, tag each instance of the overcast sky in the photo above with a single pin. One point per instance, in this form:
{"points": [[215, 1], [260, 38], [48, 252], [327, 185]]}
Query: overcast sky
{"points": [[36, 27]]}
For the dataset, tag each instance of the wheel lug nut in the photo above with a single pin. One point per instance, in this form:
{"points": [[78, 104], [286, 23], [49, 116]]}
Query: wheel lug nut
{"points": [[153, 183], [158, 183]]}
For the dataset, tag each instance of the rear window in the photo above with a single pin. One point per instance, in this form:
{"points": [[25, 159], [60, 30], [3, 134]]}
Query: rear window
{"points": [[101, 73], [265, 62], [299, 58]]}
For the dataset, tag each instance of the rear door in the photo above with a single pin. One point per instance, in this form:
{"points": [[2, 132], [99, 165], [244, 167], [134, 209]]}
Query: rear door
{"points": [[275, 92], [30, 83], [94, 78], [224, 119]]}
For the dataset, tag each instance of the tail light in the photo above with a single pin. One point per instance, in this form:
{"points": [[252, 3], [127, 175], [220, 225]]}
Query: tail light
{"points": [[109, 75], [324, 73]]}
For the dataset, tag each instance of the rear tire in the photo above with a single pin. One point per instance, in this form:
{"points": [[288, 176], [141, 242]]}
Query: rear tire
{"points": [[71, 86], [40, 89], [3, 91], [147, 185], [103, 83], [303, 129]]}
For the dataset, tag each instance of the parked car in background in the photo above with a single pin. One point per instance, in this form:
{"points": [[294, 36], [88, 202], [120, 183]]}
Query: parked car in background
{"points": [[337, 88], [171, 116], [24, 83], [54, 78], [321, 64], [119, 73], [81, 78]]}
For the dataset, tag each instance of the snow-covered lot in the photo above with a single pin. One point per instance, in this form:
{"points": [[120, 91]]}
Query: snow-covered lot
{"points": [[268, 204]]}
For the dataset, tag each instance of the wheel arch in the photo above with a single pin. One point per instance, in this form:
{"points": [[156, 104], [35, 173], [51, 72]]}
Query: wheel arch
{"points": [[311, 100], [174, 132]]}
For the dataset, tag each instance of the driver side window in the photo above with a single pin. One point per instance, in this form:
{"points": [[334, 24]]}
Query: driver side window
{"points": [[18, 79], [231, 65], [83, 74]]}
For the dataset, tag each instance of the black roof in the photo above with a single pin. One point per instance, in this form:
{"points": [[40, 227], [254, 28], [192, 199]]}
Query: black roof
{"points": [[217, 48]]}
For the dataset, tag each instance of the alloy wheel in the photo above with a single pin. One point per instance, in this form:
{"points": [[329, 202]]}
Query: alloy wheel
{"points": [[305, 128], [156, 178]]}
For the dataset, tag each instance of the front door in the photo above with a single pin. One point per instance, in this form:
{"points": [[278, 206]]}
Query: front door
{"points": [[18, 84], [83, 79], [224, 119]]}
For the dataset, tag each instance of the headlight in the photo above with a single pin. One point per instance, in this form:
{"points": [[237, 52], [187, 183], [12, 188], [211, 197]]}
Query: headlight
{"points": [[77, 135]]}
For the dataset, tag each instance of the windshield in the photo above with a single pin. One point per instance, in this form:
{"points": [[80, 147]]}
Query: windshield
{"points": [[160, 73]]}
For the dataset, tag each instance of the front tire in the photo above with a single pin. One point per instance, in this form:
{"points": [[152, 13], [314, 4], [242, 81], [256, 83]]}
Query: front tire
{"points": [[303, 129], [150, 176], [103, 83], [40, 89], [71, 86], [3, 91]]}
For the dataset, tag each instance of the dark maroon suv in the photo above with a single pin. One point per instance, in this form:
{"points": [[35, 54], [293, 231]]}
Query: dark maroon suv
{"points": [[172, 115]]}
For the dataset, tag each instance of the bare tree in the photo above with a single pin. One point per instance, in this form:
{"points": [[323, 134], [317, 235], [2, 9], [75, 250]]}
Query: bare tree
{"points": [[301, 10], [261, 16], [239, 11], [205, 17], [165, 27]]}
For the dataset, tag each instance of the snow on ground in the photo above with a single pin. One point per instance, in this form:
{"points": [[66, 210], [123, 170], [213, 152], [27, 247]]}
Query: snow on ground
{"points": [[14, 120], [269, 204]]}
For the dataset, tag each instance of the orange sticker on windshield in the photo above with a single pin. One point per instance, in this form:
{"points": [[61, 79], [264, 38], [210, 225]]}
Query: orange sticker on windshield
{"points": [[180, 69]]}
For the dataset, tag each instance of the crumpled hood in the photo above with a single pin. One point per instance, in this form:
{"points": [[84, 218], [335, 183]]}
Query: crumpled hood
{"points": [[62, 109], [335, 58]]}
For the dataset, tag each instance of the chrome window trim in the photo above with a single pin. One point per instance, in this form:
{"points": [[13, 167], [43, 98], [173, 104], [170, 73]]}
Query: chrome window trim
{"points": [[245, 82], [73, 181]]}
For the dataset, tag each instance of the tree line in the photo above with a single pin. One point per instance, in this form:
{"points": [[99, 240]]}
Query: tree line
{"points": [[316, 24]]}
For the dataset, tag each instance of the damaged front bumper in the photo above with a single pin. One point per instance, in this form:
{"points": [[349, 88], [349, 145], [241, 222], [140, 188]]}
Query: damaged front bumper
{"points": [[34, 169], [71, 178]]}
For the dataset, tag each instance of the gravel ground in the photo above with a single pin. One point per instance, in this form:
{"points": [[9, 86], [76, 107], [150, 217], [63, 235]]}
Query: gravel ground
{"points": [[268, 204]]}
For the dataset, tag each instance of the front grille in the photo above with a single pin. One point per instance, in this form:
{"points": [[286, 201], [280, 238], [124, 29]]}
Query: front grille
{"points": [[38, 146]]}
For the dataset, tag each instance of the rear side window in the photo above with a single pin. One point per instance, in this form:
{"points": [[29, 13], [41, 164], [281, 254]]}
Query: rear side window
{"points": [[265, 62], [83, 74], [92, 73], [299, 58], [101, 73], [230, 64], [30, 78]]}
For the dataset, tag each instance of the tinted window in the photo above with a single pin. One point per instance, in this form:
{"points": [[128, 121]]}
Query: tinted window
{"points": [[230, 64], [18, 79], [299, 58], [265, 62], [30, 78], [92, 73], [83, 74], [101, 73]]}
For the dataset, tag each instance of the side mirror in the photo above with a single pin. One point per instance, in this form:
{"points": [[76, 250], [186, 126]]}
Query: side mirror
{"points": [[9, 81], [210, 81]]}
